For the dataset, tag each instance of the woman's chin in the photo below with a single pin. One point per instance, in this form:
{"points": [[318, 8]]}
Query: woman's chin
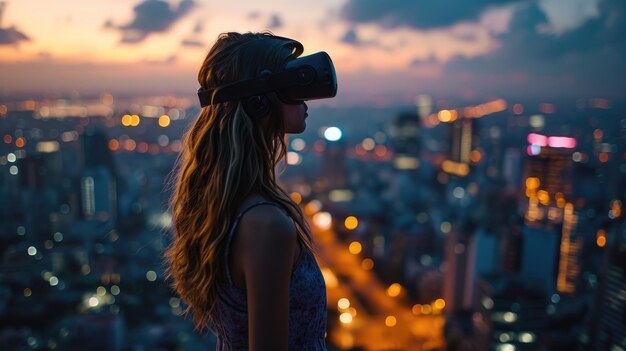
{"points": [[296, 129]]}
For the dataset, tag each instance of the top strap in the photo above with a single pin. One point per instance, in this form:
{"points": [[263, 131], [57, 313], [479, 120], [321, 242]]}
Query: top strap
{"points": [[233, 229]]}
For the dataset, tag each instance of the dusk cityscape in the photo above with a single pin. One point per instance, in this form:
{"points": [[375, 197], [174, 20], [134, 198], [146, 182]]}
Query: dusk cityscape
{"points": [[465, 188]]}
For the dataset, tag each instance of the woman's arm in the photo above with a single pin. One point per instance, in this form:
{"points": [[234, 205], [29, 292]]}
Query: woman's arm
{"points": [[268, 242]]}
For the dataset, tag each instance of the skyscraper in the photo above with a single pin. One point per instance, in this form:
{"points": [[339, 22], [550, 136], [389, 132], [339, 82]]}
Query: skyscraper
{"points": [[98, 181]]}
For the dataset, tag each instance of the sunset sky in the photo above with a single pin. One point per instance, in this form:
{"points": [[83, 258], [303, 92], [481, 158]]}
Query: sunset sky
{"points": [[384, 51]]}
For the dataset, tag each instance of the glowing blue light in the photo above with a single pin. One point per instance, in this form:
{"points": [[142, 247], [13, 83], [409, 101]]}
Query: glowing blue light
{"points": [[332, 134]]}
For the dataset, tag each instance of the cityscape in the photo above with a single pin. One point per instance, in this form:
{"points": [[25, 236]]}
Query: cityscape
{"points": [[440, 226], [465, 189]]}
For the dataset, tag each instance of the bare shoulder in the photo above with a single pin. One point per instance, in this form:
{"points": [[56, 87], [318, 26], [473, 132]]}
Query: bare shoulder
{"points": [[266, 225]]}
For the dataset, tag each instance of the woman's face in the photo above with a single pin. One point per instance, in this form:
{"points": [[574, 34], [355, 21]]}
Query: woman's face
{"points": [[295, 116]]}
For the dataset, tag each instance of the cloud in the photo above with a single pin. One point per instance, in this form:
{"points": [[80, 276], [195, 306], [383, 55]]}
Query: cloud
{"points": [[192, 43], [254, 15], [353, 39], [420, 14], [168, 60], [275, 22], [198, 28], [151, 16], [194, 39], [583, 60], [11, 36], [431, 60]]}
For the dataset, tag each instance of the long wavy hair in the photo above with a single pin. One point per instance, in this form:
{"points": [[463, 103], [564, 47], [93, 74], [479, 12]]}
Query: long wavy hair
{"points": [[226, 156]]}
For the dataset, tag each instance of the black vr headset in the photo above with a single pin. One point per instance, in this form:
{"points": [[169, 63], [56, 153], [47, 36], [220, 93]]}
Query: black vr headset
{"points": [[306, 78]]}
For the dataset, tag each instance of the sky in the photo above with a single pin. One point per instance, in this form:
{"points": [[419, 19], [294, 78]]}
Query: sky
{"points": [[385, 52]]}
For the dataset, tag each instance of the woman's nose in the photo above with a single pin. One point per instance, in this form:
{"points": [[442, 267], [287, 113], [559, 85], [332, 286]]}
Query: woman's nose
{"points": [[306, 108]]}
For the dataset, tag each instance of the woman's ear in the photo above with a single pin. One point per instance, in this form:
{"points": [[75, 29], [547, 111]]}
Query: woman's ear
{"points": [[257, 106]]}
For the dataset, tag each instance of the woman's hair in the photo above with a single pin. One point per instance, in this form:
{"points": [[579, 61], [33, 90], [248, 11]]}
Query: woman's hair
{"points": [[226, 155]]}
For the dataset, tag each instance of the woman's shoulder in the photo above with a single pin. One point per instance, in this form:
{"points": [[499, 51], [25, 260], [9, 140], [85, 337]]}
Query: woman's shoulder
{"points": [[262, 216]]}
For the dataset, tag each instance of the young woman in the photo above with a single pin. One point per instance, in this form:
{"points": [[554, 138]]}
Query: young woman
{"points": [[241, 256]]}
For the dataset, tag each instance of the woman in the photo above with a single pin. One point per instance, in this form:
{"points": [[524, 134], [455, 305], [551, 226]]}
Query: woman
{"points": [[241, 256]]}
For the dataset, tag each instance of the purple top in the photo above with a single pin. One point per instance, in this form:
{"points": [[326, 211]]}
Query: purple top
{"points": [[307, 304]]}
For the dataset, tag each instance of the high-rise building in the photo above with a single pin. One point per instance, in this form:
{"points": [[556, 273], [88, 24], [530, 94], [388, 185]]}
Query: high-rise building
{"points": [[548, 179], [98, 181], [509, 313], [607, 327], [406, 141], [540, 255], [571, 245]]}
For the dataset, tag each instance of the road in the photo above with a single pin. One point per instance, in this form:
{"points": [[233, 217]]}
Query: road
{"points": [[382, 319]]}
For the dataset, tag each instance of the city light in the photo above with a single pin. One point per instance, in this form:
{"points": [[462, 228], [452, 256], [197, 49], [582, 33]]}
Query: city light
{"points": [[390, 321], [93, 301], [164, 121], [312, 207], [526, 337], [298, 144], [538, 140], [53, 281], [293, 158], [332, 134], [355, 247], [351, 222], [367, 264], [323, 220], [505, 347], [330, 278], [394, 290], [345, 318], [343, 303], [296, 197], [151, 276], [601, 238]]}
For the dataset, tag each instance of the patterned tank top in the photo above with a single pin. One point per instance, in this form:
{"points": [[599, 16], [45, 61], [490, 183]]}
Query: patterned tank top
{"points": [[307, 304]]}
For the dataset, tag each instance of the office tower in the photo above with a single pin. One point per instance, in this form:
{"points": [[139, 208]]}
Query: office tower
{"points": [[571, 245], [406, 141], [461, 133], [512, 171], [509, 313], [609, 329], [482, 259], [98, 181], [548, 179], [540, 254]]}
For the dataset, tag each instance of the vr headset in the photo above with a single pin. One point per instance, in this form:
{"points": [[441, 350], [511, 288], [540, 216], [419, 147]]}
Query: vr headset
{"points": [[306, 78]]}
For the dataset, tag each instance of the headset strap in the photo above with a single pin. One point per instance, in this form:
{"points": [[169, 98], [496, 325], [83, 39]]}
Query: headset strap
{"points": [[263, 84]]}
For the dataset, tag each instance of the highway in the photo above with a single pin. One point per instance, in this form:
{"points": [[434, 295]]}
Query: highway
{"points": [[375, 316]]}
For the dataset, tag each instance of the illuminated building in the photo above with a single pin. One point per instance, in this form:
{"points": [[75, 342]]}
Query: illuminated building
{"points": [[461, 132], [550, 243], [98, 182], [548, 179], [406, 141], [606, 326], [509, 313], [571, 245]]}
